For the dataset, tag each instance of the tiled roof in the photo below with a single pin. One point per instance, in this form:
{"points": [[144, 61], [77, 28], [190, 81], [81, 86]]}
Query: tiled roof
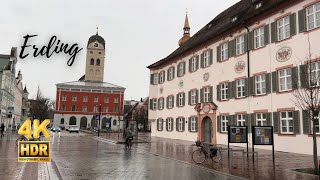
{"points": [[90, 83], [244, 10]]}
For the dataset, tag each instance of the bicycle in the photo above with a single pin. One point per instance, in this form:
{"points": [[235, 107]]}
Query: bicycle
{"points": [[23, 138], [200, 155], [128, 143]]}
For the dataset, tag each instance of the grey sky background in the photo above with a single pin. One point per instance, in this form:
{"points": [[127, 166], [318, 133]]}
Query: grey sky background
{"points": [[137, 33]]}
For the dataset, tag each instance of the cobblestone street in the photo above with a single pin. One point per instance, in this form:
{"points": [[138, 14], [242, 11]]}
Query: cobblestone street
{"points": [[81, 156]]}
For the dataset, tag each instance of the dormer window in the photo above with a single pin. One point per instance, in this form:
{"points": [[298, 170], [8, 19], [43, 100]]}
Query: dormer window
{"points": [[234, 18], [258, 5]]}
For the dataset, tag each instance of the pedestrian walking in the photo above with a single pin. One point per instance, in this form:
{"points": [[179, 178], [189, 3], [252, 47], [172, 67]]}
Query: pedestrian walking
{"points": [[2, 129], [128, 136]]}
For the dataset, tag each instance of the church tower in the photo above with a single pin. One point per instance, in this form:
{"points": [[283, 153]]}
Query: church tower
{"points": [[186, 31], [95, 59]]}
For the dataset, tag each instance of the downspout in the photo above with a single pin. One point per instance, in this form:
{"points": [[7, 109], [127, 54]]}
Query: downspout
{"points": [[248, 74]]}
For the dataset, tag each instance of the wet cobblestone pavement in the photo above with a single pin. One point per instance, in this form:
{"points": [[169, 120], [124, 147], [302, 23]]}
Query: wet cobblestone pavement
{"points": [[81, 156]]}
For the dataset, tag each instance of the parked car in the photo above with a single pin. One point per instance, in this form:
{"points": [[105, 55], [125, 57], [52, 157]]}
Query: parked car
{"points": [[73, 128], [56, 129], [67, 128]]}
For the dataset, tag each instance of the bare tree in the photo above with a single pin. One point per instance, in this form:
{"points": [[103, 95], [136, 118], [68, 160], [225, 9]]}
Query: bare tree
{"points": [[140, 115], [40, 106], [307, 97]]}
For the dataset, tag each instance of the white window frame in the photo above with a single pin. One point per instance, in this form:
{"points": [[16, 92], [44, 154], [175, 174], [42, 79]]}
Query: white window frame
{"points": [[260, 84], [285, 80], [169, 124], [106, 99], [193, 124], [239, 45], [95, 99], [106, 109], [63, 107], [180, 98], [224, 123], [170, 104], [258, 35], [193, 96], [206, 94], [116, 100], [170, 73], [313, 16], [287, 120], [116, 109], [180, 124], [74, 97], [315, 74], [161, 77], [155, 78], [283, 28], [193, 64], [84, 109], [161, 103], [85, 98], [206, 59], [155, 104], [160, 124], [224, 51], [261, 119], [241, 119], [240, 83], [75, 108], [180, 69], [224, 91], [64, 97], [95, 108]]}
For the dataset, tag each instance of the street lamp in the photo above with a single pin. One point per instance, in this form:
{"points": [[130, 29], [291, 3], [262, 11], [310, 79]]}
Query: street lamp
{"points": [[99, 121]]}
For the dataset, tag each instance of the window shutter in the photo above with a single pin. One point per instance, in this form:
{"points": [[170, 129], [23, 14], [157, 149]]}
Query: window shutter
{"points": [[230, 120], [196, 124], [306, 122], [189, 98], [302, 20], [245, 43], [210, 56], [172, 101], [219, 124], [173, 72], [273, 32], [184, 68], [177, 124], [231, 48], [151, 104], [211, 94], [197, 60], [276, 122], [248, 122], [167, 102], [253, 119], [159, 104], [234, 120], [197, 63], [189, 124], [218, 93], [163, 103], [218, 53], [197, 96], [230, 90], [167, 124], [202, 60], [251, 86], [296, 122], [234, 89], [172, 124], [201, 95], [268, 119], [304, 80], [274, 81], [266, 34], [178, 70], [177, 100], [151, 79], [168, 74], [183, 99], [246, 85], [293, 26], [268, 83], [183, 124], [158, 124], [190, 69], [250, 41], [164, 76], [294, 77]]}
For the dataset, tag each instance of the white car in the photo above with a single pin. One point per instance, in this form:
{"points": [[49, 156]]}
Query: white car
{"points": [[73, 128]]}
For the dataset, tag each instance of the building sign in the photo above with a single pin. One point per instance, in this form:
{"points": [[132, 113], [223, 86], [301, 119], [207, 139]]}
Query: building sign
{"points": [[237, 134], [262, 135], [206, 76], [181, 84], [284, 54], [239, 67]]}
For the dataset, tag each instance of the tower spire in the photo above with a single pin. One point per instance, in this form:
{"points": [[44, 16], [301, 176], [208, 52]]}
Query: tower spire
{"points": [[97, 29], [186, 24], [186, 31]]}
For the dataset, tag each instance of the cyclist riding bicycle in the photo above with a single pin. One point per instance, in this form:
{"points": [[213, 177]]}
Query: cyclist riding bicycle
{"points": [[128, 136]]}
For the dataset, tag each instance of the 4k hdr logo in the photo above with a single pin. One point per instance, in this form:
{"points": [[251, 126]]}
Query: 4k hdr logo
{"points": [[30, 150]]}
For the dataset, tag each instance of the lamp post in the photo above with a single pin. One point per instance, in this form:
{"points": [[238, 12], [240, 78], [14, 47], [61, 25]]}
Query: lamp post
{"points": [[99, 121]]}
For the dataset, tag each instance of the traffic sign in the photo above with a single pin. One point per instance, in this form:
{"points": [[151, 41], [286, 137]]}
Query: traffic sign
{"points": [[97, 117]]}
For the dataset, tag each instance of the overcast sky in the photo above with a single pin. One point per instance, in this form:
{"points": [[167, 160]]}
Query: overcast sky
{"points": [[137, 34]]}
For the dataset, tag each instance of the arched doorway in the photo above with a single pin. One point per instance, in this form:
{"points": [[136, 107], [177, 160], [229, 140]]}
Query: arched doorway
{"points": [[103, 123], [83, 122], [93, 122], [207, 129], [73, 120]]}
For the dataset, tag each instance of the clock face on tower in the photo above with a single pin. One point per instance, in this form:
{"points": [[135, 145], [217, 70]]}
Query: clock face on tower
{"points": [[96, 44]]}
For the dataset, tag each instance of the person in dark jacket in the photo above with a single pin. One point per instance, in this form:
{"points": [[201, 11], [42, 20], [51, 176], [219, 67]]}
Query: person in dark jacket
{"points": [[1, 129]]}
